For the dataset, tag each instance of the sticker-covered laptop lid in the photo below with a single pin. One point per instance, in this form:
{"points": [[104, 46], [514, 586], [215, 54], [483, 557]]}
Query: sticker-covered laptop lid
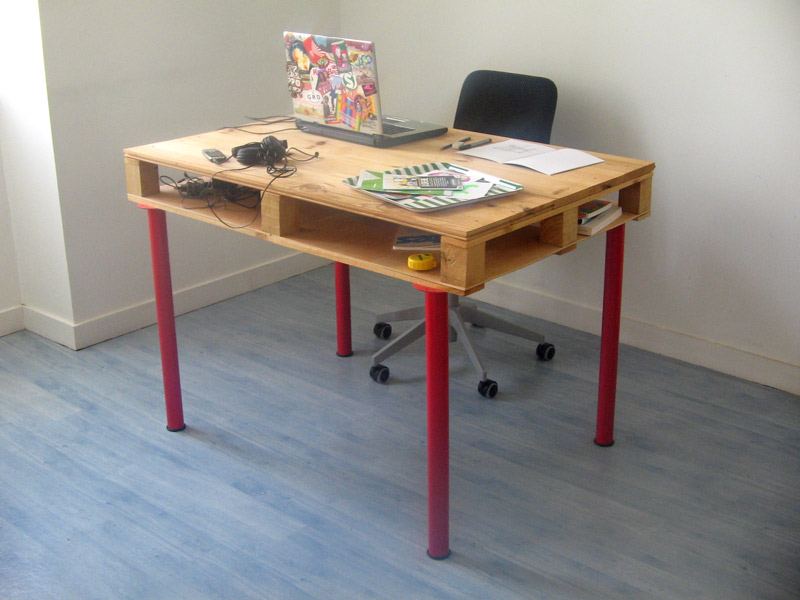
{"points": [[333, 81]]}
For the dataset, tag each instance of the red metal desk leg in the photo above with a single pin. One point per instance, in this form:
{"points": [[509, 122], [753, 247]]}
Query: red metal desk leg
{"points": [[344, 338], [438, 392], [609, 342], [162, 282]]}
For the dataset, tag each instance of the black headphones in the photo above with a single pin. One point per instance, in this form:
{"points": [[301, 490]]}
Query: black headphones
{"points": [[268, 151]]}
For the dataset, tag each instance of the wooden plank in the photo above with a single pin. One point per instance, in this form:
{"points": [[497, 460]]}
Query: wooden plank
{"points": [[313, 211], [141, 177], [560, 230], [636, 198], [320, 180], [463, 265], [279, 214], [367, 243], [242, 219]]}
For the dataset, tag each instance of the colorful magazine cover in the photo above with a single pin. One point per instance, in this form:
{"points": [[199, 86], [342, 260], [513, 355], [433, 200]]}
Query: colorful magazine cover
{"points": [[477, 186]]}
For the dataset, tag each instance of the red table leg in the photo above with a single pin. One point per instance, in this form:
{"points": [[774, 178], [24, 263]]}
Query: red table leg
{"points": [[344, 339], [162, 282], [609, 342], [438, 392]]}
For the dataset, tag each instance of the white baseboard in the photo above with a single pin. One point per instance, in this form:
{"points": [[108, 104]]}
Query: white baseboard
{"points": [[11, 320], [681, 346], [49, 326], [706, 353], [131, 318]]}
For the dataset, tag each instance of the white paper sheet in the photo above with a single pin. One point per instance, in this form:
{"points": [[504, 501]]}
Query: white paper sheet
{"points": [[557, 161], [538, 157]]}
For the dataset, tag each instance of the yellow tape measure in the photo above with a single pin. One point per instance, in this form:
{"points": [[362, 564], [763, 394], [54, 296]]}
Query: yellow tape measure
{"points": [[421, 262]]}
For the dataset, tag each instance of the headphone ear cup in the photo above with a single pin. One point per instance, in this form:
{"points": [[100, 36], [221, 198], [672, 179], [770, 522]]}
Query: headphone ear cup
{"points": [[249, 154], [274, 149], [269, 150]]}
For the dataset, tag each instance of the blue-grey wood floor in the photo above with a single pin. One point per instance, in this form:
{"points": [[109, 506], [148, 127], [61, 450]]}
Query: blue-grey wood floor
{"points": [[300, 477]]}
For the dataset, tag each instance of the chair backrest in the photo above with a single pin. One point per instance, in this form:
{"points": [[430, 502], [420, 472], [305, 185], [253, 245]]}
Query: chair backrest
{"points": [[507, 104]]}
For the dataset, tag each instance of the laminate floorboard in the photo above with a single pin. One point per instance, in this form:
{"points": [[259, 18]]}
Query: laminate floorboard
{"points": [[300, 477]]}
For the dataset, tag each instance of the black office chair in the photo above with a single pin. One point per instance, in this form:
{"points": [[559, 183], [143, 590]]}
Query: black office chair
{"points": [[493, 102]]}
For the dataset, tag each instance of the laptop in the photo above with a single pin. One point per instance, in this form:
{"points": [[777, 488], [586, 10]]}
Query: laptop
{"points": [[333, 82]]}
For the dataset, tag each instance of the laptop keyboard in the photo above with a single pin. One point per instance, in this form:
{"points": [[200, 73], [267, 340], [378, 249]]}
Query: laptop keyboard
{"points": [[391, 129]]}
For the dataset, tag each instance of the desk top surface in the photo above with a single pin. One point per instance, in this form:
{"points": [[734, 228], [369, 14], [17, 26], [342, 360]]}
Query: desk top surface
{"points": [[320, 180]]}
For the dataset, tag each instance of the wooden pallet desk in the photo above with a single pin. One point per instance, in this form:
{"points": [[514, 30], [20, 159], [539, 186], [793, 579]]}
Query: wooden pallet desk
{"points": [[313, 211]]}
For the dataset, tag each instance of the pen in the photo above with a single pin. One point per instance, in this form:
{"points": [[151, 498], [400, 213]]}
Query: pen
{"points": [[475, 144], [459, 142]]}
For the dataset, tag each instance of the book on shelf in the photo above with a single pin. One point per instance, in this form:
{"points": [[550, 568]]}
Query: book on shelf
{"points": [[589, 210], [600, 222], [416, 240]]}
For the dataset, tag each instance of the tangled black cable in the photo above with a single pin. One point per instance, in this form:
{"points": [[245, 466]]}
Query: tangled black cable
{"points": [[189, 186], [263, 121], [308, 154], [276, 172], [215, 192]]}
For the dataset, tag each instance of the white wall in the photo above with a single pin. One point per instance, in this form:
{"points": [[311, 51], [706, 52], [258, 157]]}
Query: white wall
{"points": [[34, 271], [117, 75], [10, 300], [709, 91]]}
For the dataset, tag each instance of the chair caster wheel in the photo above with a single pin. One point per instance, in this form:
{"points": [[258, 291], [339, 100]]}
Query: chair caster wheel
{"points": [[382, 330], [545, 351], [487, 388], [379, 373]]}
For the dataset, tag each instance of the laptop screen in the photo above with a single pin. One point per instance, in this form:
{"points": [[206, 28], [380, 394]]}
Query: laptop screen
{"points": [[333, 81]]}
